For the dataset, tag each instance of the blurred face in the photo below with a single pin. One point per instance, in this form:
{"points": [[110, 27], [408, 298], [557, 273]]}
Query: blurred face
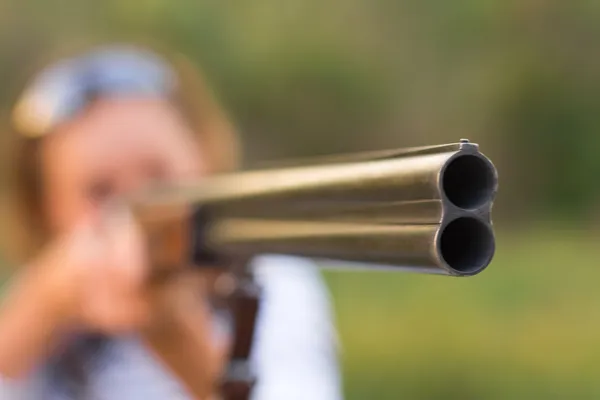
{"points": [[114, 148]]}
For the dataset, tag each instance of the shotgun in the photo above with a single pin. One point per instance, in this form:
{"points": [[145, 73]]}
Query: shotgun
{"points": [[423, 210]]}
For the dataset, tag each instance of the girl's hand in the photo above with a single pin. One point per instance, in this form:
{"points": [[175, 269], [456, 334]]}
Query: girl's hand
{"points": [[96, 275], [98, 280], [91, 279]]}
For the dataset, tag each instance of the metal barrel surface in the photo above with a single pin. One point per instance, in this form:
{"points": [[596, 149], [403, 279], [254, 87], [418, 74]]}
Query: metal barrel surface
{"points": [[425, 210]]}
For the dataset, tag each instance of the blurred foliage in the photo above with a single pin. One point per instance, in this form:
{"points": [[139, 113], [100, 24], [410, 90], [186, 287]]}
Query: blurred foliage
{"points": [[520, 77]]}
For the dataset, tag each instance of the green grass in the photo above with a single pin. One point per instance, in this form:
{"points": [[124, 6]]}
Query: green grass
{"points": [[527, 327]]}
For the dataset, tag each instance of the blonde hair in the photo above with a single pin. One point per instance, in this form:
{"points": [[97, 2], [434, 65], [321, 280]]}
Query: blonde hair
{"points": [[24, 223]]}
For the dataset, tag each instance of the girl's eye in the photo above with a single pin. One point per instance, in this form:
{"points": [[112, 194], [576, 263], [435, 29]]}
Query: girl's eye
{"points": [[101, 190]]}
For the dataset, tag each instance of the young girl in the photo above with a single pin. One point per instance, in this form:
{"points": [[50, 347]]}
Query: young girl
{"points": [[78, 319]]}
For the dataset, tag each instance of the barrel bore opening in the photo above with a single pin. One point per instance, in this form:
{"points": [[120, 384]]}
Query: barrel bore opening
{"points": [[467, 245], [468, 181]]}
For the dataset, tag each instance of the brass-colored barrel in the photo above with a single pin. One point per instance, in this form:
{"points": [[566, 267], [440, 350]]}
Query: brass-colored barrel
{"points": [[463, 247], [408, 212], [426, 210], [461, 179]]}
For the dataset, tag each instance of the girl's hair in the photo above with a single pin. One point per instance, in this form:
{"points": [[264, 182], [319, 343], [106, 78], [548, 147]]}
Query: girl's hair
{"points": [[26, 225]]}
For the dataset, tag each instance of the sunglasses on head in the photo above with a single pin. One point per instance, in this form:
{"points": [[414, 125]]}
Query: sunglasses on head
{"points": [[64, 89]]}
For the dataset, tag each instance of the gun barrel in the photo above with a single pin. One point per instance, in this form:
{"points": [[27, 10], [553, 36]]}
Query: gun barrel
{"points": [[464, 246], [426, 210]]}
